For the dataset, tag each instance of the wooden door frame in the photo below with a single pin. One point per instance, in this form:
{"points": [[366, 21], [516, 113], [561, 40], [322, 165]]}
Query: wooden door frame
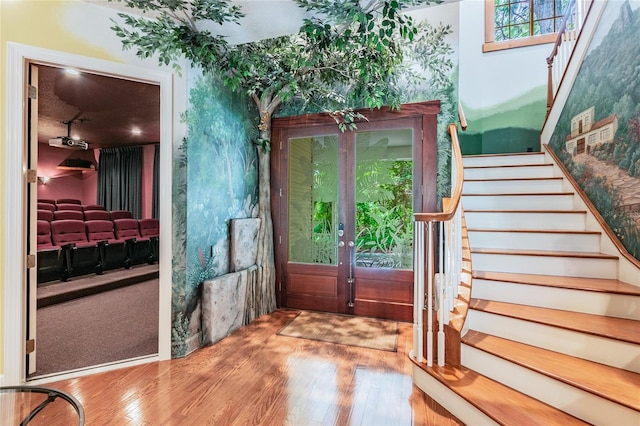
{"points": [[425, 171]]}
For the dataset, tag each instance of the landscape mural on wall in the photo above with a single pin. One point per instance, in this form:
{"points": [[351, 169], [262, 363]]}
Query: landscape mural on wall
{"points": [[598, 133], [215, 180], [487, 135]]}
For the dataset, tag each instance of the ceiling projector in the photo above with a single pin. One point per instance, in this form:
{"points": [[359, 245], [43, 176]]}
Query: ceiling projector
{"points": [[67, 142]]}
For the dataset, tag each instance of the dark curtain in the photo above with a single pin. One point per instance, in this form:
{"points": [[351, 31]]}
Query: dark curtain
{"points": [[155, 200], [120, 179]]}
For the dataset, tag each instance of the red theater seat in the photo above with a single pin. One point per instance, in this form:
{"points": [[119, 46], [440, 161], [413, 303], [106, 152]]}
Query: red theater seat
{"points": [[139, 247], [81, 255], [112, 252], [97, 215], [45, 215], [46, 206], [68, 206], [88, 207], [120, 214], [150, 228], [50, 259], [68, 214]]}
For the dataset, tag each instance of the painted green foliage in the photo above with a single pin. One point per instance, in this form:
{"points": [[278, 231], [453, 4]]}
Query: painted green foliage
{"points": [[221, 174], [608, 81], [215, 180], [216, 158]]}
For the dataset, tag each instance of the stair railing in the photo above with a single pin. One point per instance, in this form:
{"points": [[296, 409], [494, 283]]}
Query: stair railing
{"points": [[435, 291], [568, 33]]}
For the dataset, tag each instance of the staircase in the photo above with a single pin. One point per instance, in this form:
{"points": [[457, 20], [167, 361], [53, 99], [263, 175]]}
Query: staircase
{"points": [[551, 336]]}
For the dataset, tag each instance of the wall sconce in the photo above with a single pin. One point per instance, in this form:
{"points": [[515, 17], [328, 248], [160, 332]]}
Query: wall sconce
{"points": [[43, 179]]}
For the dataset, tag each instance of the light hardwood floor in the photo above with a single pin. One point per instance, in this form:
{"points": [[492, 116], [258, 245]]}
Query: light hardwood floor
{"points": [[256, 377]]}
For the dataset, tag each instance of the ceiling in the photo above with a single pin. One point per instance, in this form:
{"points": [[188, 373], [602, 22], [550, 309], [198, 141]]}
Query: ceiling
{"points": [[100, 110], [103, 110]]}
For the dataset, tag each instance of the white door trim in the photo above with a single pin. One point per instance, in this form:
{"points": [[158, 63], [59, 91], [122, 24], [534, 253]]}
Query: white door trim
{"points": [[18, 56]]}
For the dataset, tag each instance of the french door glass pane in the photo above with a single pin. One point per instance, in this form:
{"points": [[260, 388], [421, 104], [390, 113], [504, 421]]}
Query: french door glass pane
{"points": [[313, 199], [384, 198]]}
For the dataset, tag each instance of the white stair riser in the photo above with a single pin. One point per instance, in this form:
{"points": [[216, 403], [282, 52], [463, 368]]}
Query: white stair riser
{"points": [[593, 348], [517, 186], [547, 265], [574, 221], [545, 171], [451, 401], [518, 202], [588, 302], [502, 160], [552, 241], [584, 405]]}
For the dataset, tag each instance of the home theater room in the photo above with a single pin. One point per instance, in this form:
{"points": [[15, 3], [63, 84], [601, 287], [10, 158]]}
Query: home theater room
{"points": [[96, 220]]}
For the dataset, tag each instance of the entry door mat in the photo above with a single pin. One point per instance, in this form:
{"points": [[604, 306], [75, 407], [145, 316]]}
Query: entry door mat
{"points": [[349, 330]]}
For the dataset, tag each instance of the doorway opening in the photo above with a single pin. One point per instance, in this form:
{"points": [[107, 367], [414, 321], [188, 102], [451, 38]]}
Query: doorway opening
{"points": [[95, 145], [21, 243]]}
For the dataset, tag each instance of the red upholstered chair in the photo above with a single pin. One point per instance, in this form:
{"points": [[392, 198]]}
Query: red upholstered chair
{"points": [[81, 255], [46, 206], [112, 251], [68, 214], [139, 247], [97, 215], [150, 228], [89, 207], [44, 234], [50, 259], [68, 201], [120, 214], [68, 206], [47, 201], [45, 215]]}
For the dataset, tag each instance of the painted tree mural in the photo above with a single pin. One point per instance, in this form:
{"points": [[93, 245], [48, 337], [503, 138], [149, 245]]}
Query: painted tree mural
{"points": [[347, 59]]}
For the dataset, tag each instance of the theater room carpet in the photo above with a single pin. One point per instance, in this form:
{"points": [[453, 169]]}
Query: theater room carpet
{"points": [[110, 326]]}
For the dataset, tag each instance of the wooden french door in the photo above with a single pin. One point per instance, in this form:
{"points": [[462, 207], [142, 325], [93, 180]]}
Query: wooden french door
{"points": [[343, 213]]}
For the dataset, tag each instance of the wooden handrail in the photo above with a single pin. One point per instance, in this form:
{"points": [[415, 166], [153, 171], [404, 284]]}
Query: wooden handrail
{"points": [[554, 52], [560, 38], [561, 31], [461, 117], [449, 211]]}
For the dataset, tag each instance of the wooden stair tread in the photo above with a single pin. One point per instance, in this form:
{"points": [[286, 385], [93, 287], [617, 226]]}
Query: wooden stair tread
{"points": [[614, 384], [525, 211], [499, 166], [506, 406], [581, 254], [502, 194], [609, 327], [512, 179], [502, 154], [537, 231], [575, 283]]}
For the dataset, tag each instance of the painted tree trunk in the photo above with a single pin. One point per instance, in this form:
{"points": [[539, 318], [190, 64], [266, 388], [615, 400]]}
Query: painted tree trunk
{"points": [[266, 291]]}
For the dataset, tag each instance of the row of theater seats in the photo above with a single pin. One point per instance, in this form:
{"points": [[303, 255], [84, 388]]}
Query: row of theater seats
{"points": [[51, 215], [69, 246]]}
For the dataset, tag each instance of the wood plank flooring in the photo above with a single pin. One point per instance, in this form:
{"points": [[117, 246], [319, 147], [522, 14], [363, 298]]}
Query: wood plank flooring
{"points": [[256, 377]]}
